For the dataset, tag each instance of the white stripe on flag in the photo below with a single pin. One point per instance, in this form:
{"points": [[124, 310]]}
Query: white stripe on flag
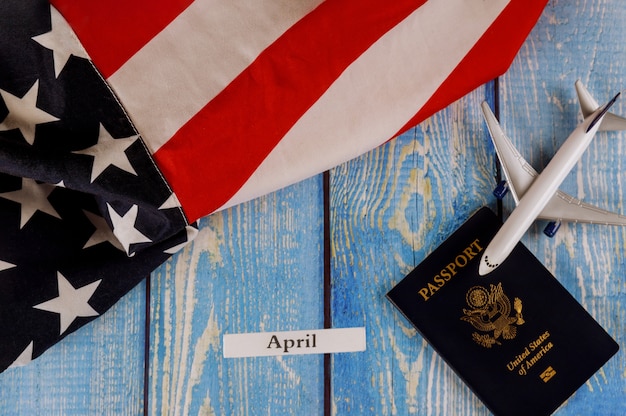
{"points": [[207, 46], [377, 94]]}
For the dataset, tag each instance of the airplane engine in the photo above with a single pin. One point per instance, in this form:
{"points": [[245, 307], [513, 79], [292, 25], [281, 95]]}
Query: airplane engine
{"points": [[552, 228], [501, 189]]}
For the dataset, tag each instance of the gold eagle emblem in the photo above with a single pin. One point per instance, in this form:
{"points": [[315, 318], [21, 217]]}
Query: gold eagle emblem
{"points": [[490, 313]]}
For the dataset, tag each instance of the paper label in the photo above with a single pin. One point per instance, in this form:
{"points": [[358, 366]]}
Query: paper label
{"points": [[317, 341]]}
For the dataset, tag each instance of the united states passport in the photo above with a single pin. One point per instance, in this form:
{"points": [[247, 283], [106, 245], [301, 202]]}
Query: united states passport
{"points": [[516, 336]]}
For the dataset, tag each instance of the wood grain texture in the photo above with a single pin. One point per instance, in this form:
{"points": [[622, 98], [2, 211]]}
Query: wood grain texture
{"points": [[378, 239], [98, 370], [586, 41], [256, 267], [259, 266], [392, 207]]}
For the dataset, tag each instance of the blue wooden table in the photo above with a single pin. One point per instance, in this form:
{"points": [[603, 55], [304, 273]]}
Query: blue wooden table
{"points": [[283, 262]]}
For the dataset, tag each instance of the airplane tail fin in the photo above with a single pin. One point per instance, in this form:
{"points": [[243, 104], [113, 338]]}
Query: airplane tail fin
{"points": [[588, 105]]}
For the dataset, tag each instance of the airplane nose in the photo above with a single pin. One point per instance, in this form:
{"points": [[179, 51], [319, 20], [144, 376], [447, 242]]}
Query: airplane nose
{"points": [[485, 267]]}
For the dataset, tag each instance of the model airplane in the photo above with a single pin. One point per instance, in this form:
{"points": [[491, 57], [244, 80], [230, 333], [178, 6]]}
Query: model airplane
{"points": [[537, 195]]}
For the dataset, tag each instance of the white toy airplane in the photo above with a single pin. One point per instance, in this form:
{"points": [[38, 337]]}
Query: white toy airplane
{"points": [[537, 195]]}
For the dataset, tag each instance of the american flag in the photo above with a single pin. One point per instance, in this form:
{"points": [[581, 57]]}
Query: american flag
{"points": [[123, 122]]}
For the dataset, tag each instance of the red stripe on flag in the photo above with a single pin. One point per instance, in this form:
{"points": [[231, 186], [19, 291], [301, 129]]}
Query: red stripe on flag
{"points": [[490, 57], [232, 134], [114, 30]]}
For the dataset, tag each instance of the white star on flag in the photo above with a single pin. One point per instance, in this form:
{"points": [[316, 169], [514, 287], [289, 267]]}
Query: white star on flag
{"points": [[62, 41], [124, 228], [24, 114], [191, 234], [25, 357], [71, 302], [32, 197], [5, 266], [109, 152], [171, 202], [103, 232]]}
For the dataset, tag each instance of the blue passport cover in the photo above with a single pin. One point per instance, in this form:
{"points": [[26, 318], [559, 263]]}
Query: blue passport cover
{"points": [[516, 336]]}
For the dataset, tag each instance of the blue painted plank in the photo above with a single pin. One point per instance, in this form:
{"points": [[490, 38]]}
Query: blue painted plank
{"points": [[255, 267], [391, 208], [394, 205], [586, 41], [259, 267], [98, 370]]}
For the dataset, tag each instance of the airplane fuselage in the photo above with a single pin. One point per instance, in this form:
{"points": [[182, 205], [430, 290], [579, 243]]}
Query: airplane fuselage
{"points": [[537, 197]]}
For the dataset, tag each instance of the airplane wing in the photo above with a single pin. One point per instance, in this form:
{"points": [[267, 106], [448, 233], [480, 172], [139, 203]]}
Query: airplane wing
{"points": [[520, 175], [563, 207], [518, 172]]}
